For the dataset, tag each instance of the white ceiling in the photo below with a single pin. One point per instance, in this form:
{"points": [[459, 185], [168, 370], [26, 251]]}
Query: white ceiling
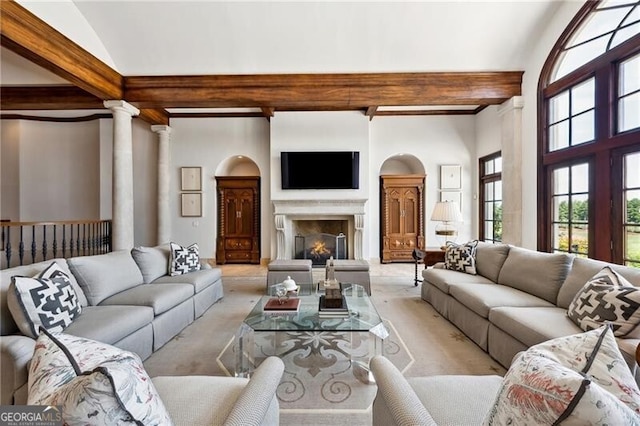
{"points": [[236, 37]]}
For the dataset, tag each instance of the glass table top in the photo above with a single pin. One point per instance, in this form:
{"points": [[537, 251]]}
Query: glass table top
{"points": [[362, 315]]}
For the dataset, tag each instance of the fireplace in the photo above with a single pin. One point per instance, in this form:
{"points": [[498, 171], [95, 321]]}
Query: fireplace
{"points": [[303, 218], [320, 247]]}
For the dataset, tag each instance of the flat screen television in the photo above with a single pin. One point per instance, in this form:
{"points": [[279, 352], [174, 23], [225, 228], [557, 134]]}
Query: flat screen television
{"points": [[320, 170]]}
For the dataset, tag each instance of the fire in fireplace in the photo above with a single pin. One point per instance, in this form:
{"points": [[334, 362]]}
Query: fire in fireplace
{"points": [[320, 247]]}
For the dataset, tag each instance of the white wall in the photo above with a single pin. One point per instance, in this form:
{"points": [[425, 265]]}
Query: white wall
{"points": [[10, 173], [206, 142], [435, 140]]}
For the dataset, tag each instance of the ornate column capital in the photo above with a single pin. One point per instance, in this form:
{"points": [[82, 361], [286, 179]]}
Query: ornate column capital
{"points": [[161, 128], [121, 106]]}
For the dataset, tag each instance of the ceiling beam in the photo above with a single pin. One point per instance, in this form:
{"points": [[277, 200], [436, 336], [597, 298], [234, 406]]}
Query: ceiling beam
{"points": [[371, 111], [341, 91], [428, 112], [27, 35], [47, 98], [268, 112]]}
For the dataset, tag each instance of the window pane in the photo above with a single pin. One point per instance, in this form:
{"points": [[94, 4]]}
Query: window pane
{"points": [[488, 191], [583, 97], [580, 55], [599, 23], [580, 178], [488, 230], [632, 244], [561, 181], [497, 190], [498, 164], [582, 128], [561, 209], [488, 167], [559, 136], [488, 211], [633, 207], [560, 237], [579, 239], [630, 75], [559, 107], [632, 170], [580, 208], [629, 112], [625, 34]]}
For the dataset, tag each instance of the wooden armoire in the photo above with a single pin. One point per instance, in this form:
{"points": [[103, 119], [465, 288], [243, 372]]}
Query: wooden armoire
{"points": [[401, 216], [238, 219]]}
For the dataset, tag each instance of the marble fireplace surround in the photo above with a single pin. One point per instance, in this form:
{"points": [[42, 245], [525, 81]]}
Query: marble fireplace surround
{"points": [[286, 211]]}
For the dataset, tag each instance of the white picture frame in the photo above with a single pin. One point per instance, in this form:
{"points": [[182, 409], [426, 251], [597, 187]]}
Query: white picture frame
{"points": [[452, 196], [451, 176]]}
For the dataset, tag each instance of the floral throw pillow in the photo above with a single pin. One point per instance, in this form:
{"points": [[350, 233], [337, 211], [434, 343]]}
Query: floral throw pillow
{"points": [[48, 301], [184, 259], [461, 257], [575, 379], [606, 298], [95, 383]]}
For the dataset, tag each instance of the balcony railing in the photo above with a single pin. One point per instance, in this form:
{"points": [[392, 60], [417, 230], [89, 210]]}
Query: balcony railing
{"points": [[24, 243]]}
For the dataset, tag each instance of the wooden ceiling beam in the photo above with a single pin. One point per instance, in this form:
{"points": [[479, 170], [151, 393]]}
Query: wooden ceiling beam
{"points": [[316, 91], [371, 111], [428, 112], [27, 35], [47, 98]]}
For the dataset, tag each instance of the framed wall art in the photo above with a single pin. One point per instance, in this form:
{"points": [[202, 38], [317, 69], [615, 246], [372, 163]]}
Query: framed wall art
{"points": [[191, 178], [191, 204], [451, 177], [452, 196]]}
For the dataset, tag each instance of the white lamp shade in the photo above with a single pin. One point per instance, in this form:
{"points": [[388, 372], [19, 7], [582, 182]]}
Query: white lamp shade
{"points": [[446, 211]]}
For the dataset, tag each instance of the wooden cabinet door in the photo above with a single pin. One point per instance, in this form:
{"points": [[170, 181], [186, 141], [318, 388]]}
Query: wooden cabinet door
{"points": [[402, 205], [238, 220]]}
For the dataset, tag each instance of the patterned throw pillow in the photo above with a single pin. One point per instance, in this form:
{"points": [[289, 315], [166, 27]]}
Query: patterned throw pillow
{"points": [[574, 379], [48, 301], [184, 259], [606, 298], [95, 383], [461, 258]]}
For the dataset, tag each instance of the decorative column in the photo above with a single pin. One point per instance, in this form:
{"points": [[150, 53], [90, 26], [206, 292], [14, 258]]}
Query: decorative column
{"points": [[358, 238], [122, 217], [511, 115], [164, 181], [280, 241]]}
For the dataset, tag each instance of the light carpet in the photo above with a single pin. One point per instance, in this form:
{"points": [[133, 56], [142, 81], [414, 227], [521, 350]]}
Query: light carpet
{"points": [[437, 346]]}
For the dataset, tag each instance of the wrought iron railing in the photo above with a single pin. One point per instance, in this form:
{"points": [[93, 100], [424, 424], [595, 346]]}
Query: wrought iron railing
{"points": [[30, 242]]}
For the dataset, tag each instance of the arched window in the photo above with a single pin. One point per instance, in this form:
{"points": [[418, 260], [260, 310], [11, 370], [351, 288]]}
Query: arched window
{"points": [[589, 136]]}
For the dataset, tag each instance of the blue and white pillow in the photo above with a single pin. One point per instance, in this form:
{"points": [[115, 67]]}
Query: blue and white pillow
{"points": [[184, 259], [48, 301]]}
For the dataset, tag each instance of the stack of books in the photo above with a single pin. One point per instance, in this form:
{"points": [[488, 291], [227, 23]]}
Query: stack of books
{"points": [[332, 309], [283, 306]]}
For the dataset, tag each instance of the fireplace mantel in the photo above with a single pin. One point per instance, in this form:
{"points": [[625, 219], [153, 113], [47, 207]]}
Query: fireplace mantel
{"points": [[285, 211]]}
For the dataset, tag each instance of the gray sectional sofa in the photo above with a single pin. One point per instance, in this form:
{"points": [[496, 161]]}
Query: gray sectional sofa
{"points": [[518, 298], [128, 300]]}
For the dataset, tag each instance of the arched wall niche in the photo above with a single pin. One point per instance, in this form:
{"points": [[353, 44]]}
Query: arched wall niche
{"points": [[402, 164], [238, 165]]}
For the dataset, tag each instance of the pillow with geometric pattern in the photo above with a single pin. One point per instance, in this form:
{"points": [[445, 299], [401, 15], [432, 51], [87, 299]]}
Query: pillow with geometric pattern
{"points": [[461, 257], [48, 301], [607, 298], [184, 259]]}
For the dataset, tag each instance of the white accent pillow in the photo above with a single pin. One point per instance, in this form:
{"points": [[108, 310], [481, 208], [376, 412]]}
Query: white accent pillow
{"points": [[184, 259], [461, 257]]}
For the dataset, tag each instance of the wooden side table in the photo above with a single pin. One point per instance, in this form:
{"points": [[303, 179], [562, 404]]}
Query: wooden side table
{"points": [[433, 255]]}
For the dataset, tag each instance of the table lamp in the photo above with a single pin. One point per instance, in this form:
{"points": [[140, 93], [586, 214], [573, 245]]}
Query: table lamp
{"points": [[447, 213]]}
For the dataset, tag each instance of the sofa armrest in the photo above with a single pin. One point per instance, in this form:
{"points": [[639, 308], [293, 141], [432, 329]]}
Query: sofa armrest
{"points": [[403, 405], [253, 403], [15, 354]]}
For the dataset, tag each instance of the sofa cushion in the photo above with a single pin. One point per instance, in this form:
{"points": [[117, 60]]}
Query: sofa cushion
{"points": [[110, 324], [442, 278], [461, 257], [7, 324], [184, 259], [582, 270], [537, 273], [572, 380], [490, 258], [533, 325], [95, 383], [481, 298], [47, 301], [606, 298], [104, 275], [159, 297], [152, 261], [199, 279]]}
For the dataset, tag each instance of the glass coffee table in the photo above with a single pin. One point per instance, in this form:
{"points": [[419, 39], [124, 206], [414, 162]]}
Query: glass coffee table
{"points": [[357, 335]]}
